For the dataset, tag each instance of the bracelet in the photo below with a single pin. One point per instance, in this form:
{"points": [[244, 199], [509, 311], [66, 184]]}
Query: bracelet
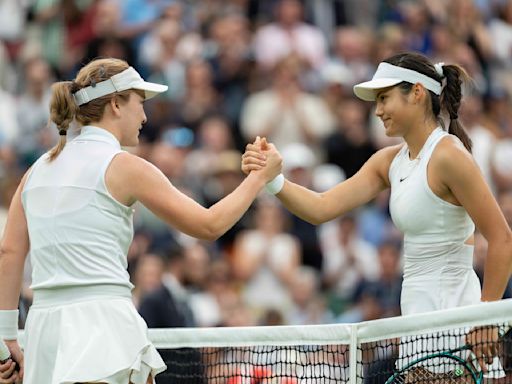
{"points": [[274, 187], [9, 324]]}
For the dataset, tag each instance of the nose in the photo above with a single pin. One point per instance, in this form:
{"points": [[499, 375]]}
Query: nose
{"points": [[378, 110]]}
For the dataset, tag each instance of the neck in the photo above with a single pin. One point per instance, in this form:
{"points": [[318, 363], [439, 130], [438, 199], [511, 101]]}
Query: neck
{"points": [[416, 138], [107, 126]]}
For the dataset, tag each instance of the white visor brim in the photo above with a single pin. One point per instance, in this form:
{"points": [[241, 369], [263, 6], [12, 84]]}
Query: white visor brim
{"points": [[127, 79], [368, 90], [388, 75]]}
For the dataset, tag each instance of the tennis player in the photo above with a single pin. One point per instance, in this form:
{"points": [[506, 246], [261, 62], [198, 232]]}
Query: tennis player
{"points": [[438, 193], [73, 213]]}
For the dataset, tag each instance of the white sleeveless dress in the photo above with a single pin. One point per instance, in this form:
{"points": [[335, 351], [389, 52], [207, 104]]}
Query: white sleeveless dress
{"points": [[438, 268], [82, 325], [438, 265]]}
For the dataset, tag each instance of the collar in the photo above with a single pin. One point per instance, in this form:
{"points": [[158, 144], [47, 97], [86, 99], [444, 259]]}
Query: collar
{"points": [[92, 133]]}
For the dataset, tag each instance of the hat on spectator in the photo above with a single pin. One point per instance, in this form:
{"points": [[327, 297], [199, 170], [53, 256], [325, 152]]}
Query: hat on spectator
{"points": [[297, 155], [388, 75], [127, 79]]}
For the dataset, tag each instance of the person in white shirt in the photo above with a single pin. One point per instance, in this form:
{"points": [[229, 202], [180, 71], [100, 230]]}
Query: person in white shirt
{"points": [[438, 193], [73, 213]]}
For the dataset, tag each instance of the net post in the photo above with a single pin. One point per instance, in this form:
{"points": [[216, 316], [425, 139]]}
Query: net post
{"points": [[354, 356]]}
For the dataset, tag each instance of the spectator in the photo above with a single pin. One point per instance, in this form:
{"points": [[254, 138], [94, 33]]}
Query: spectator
{"points": [[289, 34], [285, 113], [266, 258]]}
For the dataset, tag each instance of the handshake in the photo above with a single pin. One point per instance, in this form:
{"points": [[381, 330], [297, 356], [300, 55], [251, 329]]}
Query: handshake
{"points": [[261, 156]]}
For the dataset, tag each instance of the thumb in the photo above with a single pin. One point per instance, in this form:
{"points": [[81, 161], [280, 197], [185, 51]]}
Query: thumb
{"points": [[264, 144]]}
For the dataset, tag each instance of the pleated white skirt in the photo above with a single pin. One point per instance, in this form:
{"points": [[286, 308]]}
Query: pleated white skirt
{"points": [[98, 340]]}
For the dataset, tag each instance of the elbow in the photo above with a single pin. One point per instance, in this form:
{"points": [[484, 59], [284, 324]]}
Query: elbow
{"points": [[210, 233], [315, 220], [211, 236]]}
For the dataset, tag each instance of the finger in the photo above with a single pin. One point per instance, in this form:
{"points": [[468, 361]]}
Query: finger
{"points": [[252, 148], [252, 167], [254, 154], [490, 354], [7, 369], [257, 141], [481, 359], [264, 144]]}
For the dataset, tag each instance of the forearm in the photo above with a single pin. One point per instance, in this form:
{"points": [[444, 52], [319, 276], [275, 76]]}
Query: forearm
{"points": [[11, 276], [497, 270], [225, 213], [303, 203]]}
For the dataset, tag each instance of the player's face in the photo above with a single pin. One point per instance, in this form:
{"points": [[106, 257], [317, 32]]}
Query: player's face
{"points": [[133, 119], [392, 107]]}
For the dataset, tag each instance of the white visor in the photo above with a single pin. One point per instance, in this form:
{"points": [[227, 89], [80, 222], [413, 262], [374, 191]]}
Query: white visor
{"points": [[128, 79], [388, 75]]}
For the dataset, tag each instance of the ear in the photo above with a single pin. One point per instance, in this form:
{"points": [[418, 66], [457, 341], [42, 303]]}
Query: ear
{"points": [[114, 105], [418, 92]]}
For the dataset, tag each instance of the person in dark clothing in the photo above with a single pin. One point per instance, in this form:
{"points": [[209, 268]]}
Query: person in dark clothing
{"points": [[168, 307]]}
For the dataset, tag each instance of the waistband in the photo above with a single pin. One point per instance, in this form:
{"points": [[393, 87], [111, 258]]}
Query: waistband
{"points": [[71, 294], [434, 260]]}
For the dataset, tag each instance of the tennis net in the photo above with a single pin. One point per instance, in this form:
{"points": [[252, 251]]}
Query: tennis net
{"points": [[423, 348]]}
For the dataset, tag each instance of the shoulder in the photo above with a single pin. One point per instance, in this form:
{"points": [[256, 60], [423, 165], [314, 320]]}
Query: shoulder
{"points": [[128, 164], [449, 151], [450, 159], [156, 297], [380, 163], [383, 158]]}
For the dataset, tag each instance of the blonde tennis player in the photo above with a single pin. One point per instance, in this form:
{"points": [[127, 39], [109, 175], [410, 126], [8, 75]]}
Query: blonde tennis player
{"points": [[438, 193], [73, 213]]}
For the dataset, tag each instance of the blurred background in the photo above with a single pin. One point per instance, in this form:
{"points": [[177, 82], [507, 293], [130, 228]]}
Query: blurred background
{"points": [[283, 69]]}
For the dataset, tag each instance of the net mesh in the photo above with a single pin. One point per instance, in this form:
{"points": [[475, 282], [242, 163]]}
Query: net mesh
{"points": [[426, 348]]}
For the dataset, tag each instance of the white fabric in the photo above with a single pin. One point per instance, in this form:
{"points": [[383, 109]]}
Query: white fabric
{"points": [[128, 79], [9, 324], [438, 268], [274, 187], [101, 340], [82, 326], [79, 234], [388, 75]]}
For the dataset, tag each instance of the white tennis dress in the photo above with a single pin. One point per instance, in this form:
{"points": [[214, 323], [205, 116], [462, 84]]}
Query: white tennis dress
{"points": [[82, 326], [438, 269]]}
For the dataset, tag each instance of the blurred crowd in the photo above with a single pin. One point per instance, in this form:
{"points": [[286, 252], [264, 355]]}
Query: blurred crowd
{"points": [[283, 69]]}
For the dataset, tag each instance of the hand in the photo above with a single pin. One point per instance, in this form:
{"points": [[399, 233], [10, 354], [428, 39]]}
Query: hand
{"points": [[253, 158], [262, 156], [7, 373], [274, 163], [484, 344]]}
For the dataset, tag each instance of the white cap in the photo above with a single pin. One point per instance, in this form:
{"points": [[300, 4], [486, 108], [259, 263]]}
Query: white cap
{"points": [[128, 79], [297, 155], [388, 75]]}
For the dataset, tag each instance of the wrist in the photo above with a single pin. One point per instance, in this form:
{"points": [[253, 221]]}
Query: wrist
{"points": [[276, 185], [9, 324]]}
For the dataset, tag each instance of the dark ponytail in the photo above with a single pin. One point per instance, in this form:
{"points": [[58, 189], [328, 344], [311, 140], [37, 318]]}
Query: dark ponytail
{"points": [[450, 100], [452, 76]]}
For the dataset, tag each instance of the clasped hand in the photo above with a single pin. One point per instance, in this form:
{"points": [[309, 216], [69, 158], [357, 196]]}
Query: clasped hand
{"points": [[261, 156], [8, 375]]}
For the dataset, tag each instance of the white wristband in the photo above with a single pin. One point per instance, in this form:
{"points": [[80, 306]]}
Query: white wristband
{"points": [[275, 186], [9, 324]]}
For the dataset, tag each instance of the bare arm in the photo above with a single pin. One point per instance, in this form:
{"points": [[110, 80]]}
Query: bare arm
{"points": [[317, 208], [459, 172], [130, 178], [13, 251]]}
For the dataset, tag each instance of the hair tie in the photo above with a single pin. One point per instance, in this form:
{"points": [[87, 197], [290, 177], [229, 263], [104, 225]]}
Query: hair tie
{"points": [[439, 69], [454, 117], [62, 132]]}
